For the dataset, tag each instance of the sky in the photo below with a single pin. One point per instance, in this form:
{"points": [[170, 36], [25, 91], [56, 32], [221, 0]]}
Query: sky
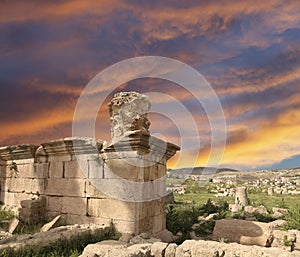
{"points": [[248, 51]]}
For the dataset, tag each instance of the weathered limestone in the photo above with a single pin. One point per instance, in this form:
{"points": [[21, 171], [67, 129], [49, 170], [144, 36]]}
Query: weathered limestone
{"points": [[158, 249], [243, 232], [17, 152], [13, 225], [189, 248], [284, 239], [279, 212], [171, 250], [32, 211], [128, 112], [241, 196], [270, 191], [50, 224], [54, 235], [255, 210], [84, 182]]}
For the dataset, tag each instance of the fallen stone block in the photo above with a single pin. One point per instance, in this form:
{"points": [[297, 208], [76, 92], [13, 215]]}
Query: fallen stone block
{"points": [[158, 249], [165, 236], [51, 224], [13, 225], [171, 250], [243, 232]]}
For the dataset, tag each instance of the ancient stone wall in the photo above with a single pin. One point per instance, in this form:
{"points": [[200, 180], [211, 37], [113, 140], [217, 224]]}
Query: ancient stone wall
{"points": [[86, 183]]}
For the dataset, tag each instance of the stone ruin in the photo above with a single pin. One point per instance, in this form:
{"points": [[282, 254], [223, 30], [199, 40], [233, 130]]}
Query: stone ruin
{"points": [[128, 113], [241, 196], [72, 177]]}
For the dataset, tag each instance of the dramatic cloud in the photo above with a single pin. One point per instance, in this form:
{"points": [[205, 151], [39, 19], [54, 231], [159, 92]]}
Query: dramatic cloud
{"points": [[248, 52]]}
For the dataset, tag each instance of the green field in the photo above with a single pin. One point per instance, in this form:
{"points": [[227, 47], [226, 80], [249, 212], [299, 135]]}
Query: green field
{"points": [[199, 195]]}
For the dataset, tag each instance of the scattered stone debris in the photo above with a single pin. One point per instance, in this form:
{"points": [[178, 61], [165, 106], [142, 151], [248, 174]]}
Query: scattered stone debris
{"points": [[279, 212], [14, 224], [51, 224], [189, 248], [42, 239]]}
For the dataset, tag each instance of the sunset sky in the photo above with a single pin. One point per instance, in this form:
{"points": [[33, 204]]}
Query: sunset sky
{"points": [[249, 52]]}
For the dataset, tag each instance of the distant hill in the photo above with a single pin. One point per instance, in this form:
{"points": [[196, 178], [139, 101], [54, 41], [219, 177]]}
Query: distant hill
{"points": [[198, 171]]}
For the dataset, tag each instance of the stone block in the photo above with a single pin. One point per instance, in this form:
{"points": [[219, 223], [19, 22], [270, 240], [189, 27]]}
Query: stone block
{"points": [[171, 250], [3, 171], [112, 208], [75, 219], [76, 169], [159, 223], [92, 192], [243, 232], [30, 219], [37, 186], [151, 208], [118, 188], [23, 161], [65, 187], [144, 225], [80, 219], [53, 223], [24, 212], [120, 155], [56, 169], [158, 249], [41, 170], [84, 157], [33, 170], [13, 225], [52, 214], [54, 204], [100, 221], [30, 204], [59, 158], [127, 226], [25, 170], [24, 185], [157, 171], [119, 168], [14, 199], [96, 169], [74, 205]]}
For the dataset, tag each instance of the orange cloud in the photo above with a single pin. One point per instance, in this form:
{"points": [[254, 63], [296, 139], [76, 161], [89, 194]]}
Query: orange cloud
{"points": [[42, 121], [269, 144], [31, 10]]}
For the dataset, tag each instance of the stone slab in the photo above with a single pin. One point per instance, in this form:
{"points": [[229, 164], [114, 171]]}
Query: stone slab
{"points": [[53, 223], [76, 169], [95, 168], [56, 169], [92, 192], [74, 205], [243, 232], [13, 225], [112, 209], [65, 187], [24, 185], [14, 199]]}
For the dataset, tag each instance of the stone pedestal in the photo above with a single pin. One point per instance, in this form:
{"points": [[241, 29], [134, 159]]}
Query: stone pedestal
{"points": [[241, 197], [135, 170]]}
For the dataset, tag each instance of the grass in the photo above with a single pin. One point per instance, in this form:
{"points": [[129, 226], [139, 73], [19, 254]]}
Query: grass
{"points": [[199, 195], [6, 215], [180, 218], [286, 201], [184, 213], [29, 228], [65, 248]]}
